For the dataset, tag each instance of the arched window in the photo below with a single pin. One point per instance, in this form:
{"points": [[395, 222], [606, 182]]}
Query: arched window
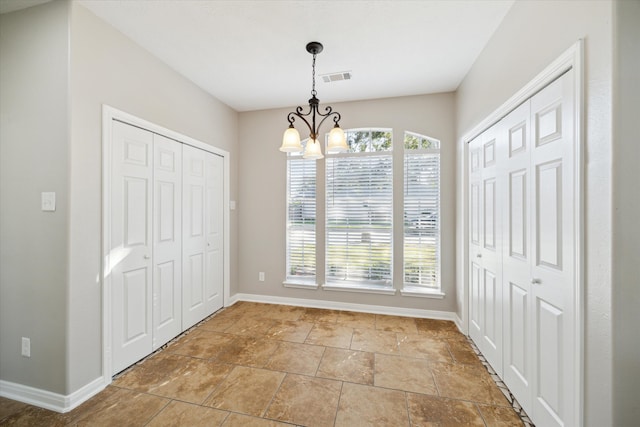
{"points": [[359, 211], [421, 213]]}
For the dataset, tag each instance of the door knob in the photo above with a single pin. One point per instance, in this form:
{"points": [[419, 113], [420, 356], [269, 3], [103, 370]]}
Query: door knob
{"points": [[536, 281], [147, 257], [479, 256]]}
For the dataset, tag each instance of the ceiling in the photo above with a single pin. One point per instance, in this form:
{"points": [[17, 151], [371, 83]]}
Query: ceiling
{"points": [[251, 54]]}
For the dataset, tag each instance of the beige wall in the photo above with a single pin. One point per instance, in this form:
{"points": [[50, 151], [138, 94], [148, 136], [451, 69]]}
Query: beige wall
{"points": [[626, 213], [262, 210], [107, 68], [34, 157], [532, 35], [51, 140]]}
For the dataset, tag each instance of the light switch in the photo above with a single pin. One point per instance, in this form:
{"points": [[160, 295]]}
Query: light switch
{"points": [[232, 205], [48, 202]]}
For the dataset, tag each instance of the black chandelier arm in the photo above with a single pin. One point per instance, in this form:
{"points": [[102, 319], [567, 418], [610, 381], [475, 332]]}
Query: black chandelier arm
{"points": [[336, 117], [292, 117]]}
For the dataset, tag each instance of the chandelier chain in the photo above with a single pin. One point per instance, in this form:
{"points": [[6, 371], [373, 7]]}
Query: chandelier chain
{"points": [[313, 76]]}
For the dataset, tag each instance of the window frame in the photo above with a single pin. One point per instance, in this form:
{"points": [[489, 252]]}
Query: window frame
{"points": [[409, 288], [292, 280], [384, 286]]}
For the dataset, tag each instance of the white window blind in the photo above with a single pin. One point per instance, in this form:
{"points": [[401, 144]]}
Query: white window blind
{"points": [[301, 218], [359, 209], [421, 213]]}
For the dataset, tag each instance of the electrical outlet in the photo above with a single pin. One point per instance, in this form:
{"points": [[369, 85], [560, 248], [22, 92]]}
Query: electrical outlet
{"points": [[261, 276], [26, 347]]}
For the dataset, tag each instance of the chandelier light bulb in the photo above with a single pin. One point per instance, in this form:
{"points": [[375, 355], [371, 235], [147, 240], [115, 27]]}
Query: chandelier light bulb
{"points": [[291, 141], [313, 150], [337, 141]]}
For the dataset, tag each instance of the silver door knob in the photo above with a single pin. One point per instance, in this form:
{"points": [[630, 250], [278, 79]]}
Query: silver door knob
{"points": [[536, 281], [147, 257], [479, 256]]}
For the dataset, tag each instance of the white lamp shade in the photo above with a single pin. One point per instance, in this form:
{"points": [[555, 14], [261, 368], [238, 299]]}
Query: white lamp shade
{"points": [[313, 150], [337, 141], [291, 141]]}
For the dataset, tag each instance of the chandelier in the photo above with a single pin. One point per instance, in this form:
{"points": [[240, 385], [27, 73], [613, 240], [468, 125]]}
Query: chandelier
{"points": [[291, 139]]}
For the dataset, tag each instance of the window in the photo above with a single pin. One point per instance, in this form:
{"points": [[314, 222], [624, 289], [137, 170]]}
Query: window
{"points": [[359, 211], [421, 213], [358, 190], [301, 218]]}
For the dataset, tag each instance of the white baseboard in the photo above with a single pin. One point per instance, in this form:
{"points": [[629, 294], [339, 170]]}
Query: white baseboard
{"points": [[459, 324], [49, 400], [335, 305]]}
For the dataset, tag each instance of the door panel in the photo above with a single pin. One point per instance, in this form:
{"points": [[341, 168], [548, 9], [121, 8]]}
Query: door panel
{"points": [[202, 234], [476, 240], [549, 399], [475, 306], [131, 231], [489, 204], [194, 239], [517, 214], [516, 259], [519, 348], [167, 249], [553, 289], [134, 297], [214, 213], [485, 247], [548, 236]]}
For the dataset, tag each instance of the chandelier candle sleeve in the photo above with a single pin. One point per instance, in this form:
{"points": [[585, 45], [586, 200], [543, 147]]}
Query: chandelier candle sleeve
{"points": [[291, 139]]}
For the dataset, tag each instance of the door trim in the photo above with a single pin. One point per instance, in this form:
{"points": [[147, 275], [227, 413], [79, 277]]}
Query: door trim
{"points": [[572, 58], [109, 114]]}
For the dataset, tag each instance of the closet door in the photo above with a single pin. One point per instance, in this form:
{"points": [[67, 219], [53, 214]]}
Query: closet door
{"points": [[516, 259], [486, 244], [214, 167], [131, 243], [553, 254], [476, 288], [167, 240], [202, 235]]}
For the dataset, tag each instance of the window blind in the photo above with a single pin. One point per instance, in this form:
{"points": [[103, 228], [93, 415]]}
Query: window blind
{"points": [[301, 218], [359, 208], [422, 218]]}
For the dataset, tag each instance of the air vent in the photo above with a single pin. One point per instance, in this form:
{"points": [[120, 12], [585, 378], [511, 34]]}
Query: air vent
{"points": [[335, 77]]}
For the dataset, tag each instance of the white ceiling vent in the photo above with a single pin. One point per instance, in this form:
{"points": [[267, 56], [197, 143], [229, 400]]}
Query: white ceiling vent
{"points": [[334, 77]]}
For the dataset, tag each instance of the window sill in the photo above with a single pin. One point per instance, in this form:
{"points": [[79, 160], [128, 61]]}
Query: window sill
{"points": [[359, 288], [409, 291], [300, 284]]}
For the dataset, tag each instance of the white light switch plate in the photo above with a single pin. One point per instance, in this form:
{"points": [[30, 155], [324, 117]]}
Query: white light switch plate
{"points": [[48, 202]]}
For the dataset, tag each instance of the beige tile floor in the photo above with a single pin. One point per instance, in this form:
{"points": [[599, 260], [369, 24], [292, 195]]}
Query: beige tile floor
{"points": [[274, 365]]}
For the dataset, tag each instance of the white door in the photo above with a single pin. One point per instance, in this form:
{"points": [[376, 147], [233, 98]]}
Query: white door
{"points": [[534, 211], [131, 238], [214, 167], [486, 247], [202, 235], [516, 259], [167, 240], [553, 252], [476, 288]]}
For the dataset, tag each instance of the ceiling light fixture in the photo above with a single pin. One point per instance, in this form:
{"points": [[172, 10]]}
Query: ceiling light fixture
{"points": [[291, 139]]}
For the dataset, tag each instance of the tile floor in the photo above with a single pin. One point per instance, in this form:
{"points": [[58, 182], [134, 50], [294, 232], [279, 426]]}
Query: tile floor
{"points": [[274, 365]]}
